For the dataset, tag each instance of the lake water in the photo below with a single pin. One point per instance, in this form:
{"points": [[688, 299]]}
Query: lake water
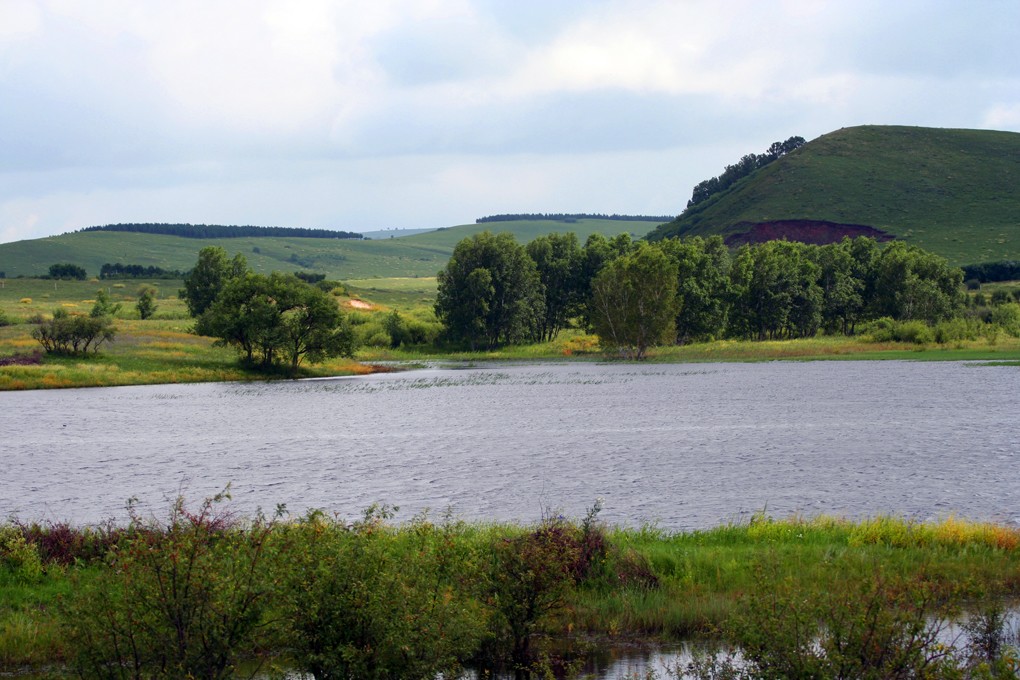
{"points": [[683, 446]]}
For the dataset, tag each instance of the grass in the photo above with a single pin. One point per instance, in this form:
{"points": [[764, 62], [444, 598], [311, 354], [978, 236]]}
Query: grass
{"points": [[952, 192], [163, 350], [410, 256], [692, 581]]}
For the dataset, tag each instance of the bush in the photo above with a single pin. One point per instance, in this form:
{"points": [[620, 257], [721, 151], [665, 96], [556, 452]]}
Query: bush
{"points": [[180, 600], [146, 304], [5, 320], [18, 556], [104, 306], [886, 329], [1007, 316], [72, 334], [957, 330], [362, 601], [870, 627]]}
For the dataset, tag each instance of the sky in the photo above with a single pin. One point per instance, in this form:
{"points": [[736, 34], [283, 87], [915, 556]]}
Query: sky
{"points": [[362, 115]]}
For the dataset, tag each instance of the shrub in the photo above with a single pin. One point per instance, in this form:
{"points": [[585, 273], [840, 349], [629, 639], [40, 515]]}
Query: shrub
{"points": [[870, 627], [179, 600], [5, 320], [361, 601], [531, 576], [886, 329], [146, 304], [1007, 316], [72, 334], [18, 556], [104, 306], [957, 329]]}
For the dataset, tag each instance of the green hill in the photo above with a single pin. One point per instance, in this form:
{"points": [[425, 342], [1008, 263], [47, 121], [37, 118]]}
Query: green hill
{"points": [[955, 192], [408, 256]]}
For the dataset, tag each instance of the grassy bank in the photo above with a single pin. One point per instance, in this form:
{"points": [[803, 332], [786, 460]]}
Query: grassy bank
{"points": [[483, 590], [162, 349]]}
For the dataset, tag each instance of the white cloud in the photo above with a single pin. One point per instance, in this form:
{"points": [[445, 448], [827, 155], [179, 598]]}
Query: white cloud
{"points": [[359, 113], [1003, 117]]}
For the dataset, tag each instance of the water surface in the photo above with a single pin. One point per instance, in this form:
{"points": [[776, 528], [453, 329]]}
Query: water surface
{"points": [[684, 446]]}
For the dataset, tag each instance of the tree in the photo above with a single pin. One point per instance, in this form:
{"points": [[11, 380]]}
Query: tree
{"points": [[67, 271], [277, 318], [633, 303], [208, 277], [490, 292], [146, 304], [775, 292], [703, 284], [104, 306], [73, 334], [911, 283], [558, 260]]}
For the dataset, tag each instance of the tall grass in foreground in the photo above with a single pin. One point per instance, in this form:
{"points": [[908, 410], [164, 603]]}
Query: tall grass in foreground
{"points": [[204, 590]]}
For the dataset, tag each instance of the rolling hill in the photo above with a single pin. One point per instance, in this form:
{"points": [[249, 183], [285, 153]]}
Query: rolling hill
{"points": [[407, 256], [955, 192]]}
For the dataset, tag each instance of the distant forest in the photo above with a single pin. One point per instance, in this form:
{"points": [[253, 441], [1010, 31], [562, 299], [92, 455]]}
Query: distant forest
{"points": [[223, 231], [565, 217]]}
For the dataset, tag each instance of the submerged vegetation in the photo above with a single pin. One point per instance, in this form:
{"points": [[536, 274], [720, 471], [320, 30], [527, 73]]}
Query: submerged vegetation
{"points": [[201, 591]]}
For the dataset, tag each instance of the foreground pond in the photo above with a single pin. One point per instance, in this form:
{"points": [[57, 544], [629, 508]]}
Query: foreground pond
{"points": [[685, 446]]}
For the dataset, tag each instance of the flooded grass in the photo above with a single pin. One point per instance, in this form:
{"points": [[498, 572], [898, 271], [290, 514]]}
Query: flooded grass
{"points": [[644, 584]]}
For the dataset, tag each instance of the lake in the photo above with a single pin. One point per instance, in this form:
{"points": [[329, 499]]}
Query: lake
{"points": [[681, 446]]}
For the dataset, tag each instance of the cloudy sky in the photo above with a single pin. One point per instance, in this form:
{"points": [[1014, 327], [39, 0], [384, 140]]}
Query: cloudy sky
{"points": [[373, 114]]}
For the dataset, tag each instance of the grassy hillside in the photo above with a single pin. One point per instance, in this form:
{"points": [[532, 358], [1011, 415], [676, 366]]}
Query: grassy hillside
{"points": [[955, 192], [408, 256]]}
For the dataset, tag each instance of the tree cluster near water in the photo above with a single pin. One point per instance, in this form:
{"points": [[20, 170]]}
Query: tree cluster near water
{"points": [[224, 231], [639, 295], [270, 320], [567, 217]]}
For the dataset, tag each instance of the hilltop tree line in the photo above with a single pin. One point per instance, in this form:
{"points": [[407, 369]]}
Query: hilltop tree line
{"points": [[636, 295], [568, 217], [224, 231], [745, 166]]}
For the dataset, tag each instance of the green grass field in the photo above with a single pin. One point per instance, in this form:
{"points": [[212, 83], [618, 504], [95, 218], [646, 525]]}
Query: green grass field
{"points": [[163, 349], [422, 255], [954, 192]]}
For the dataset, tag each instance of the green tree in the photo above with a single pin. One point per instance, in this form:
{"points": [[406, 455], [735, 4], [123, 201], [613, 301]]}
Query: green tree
{"points": [[146, 304], [104, 305], [912, 283], [277, 318], [208, 277], [703, 285], [633, 303], [774, 291], [842, 285], [67, 270], [490, 292], [558, 259], [73, 334]]}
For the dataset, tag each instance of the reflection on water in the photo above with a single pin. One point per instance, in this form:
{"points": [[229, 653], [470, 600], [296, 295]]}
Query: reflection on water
{"points": [[683, 446]]}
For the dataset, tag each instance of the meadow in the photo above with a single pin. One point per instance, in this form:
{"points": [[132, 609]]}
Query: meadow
{"points": [[340, 259], [163, 349]]}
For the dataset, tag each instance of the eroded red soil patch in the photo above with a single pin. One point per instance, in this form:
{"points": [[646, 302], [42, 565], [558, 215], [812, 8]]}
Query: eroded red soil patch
{"points": [[817, 232]]}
